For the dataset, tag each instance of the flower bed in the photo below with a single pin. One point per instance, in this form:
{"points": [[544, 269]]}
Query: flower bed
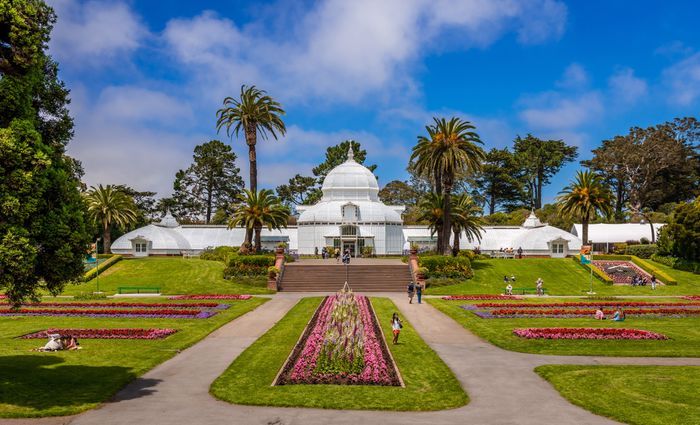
{"points": [[586, 333], [480, 297], [622, 272], [117, 333], [130, 305], [512, 313], [589, 304], [170, 313], [692, 297], [342, 344], [210, 297]]}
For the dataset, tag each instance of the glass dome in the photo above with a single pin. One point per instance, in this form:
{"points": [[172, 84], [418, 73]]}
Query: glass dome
{"points": [[350, 181]]}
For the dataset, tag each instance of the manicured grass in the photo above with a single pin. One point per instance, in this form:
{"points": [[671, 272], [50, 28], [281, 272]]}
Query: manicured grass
{"points": [[430, 385], [683, 333], [34, 384], [638, 395], [562, 276], [174, 275]]}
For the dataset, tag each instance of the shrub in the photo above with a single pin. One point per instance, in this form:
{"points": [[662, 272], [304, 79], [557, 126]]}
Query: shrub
{"points": [[677, 263], [665, 260], [681, 236], [248, 265], [90, 274], [467, 253], [644, 241], [631, 242], [220, 253], [273, 271], [367, 251], [641, 251], [442, 266], [90, 296], [619, 248]]}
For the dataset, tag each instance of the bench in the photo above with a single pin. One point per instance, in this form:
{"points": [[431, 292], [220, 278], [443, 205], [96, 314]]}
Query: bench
{"points": [[139, 289], [522, 291]]}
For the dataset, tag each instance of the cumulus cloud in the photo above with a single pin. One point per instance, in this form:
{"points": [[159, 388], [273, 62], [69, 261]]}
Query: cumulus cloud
{"points": [[626, 87], [554, 110], [130, 103], [575, 77], [682, 81], [94, 30]]}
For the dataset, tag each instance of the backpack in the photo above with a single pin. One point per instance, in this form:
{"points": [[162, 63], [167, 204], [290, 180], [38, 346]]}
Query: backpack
{"points": [[411, 287]]}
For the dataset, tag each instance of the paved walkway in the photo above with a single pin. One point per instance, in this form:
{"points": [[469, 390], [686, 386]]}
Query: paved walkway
{"points": [[501, 384]]}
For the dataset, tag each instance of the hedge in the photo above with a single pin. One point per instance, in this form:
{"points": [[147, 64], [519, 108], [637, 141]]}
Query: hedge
{"points": [[220, 253], [677, 263], [641, 251], [643, 264], [90, 274], [248, 265], [598, 273], [443, 266]]}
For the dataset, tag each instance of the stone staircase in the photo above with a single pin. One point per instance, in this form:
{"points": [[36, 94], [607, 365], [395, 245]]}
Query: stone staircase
{"points": [[299, 277]]}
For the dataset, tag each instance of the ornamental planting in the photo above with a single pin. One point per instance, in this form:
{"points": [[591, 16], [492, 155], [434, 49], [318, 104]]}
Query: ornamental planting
{"points": [[126, 310], [587, 333], [342, 344], [622, 272], [480, 297], [211, 297], [502, 311], [116, 333]]}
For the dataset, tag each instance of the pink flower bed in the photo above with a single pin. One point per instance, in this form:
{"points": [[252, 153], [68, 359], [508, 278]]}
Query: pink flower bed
{"points": [[128, 305], [117, 333], [480, 297], [586, 333], [587, 304], [161, 313], [692, 297], [580, 312], [211, 297], [301, 367]]}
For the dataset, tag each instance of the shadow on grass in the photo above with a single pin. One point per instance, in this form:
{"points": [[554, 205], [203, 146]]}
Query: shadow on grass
{"points": [[40, 382]]}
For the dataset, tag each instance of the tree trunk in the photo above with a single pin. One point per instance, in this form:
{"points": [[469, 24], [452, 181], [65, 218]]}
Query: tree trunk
{"points": [[492, 203], [584, 232], [106, 239], [455, 244], [251, 140], [651, 226], [538, 201], [248, 237], [258, 240], [209, 206], [620, 189], [446, 217]]}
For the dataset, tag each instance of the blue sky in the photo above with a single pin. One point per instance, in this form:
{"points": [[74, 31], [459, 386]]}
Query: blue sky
{"points": [[147, 80]]}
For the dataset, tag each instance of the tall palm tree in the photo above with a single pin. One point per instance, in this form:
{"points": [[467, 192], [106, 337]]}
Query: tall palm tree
{"points": [[256, 210], [254, 112], [108, 206], [450, 148], [466, 217], [431, 208], [585, 198]]}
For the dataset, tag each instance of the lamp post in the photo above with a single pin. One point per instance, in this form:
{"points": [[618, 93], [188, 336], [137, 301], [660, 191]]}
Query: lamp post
{"points": [[97, 273]]}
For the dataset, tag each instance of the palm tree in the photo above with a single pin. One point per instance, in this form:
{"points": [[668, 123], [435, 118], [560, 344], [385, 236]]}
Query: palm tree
{"points": [[449, 149], [585, 198], [254, 112], [108, 206], [431, 208], [466, 217], [256, 210]]}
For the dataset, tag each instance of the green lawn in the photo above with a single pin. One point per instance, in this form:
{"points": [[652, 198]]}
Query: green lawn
{"points": [[34, 384], [430, 385], [637, 395], [562, 276], [174, 275], [683, 333]]}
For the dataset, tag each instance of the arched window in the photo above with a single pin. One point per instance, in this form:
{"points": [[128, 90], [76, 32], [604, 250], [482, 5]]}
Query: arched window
{"points": [[349, 212]]}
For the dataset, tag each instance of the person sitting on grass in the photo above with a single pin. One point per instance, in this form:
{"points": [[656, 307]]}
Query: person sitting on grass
{"points": [[599, 315], [55, 344], [396, 326], [509, 289], [619, 315], [70, 342]]}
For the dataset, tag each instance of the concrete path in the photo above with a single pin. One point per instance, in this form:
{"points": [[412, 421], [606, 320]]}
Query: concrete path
{"points": [[501, 384]]}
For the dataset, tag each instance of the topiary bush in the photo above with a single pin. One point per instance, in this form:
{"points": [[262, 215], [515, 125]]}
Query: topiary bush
{"points": [[248, 265], [442, 266], [641, 251]]}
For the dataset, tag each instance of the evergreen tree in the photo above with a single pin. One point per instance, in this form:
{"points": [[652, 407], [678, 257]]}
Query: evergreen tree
{"points": [[500, 181], [43, 235]]}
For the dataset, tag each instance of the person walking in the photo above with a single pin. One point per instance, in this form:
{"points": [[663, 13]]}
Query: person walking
{"points": [[316, 252], [337, 255], [411, 291], [346, 257], [396, 326], [520, 252], [653, 282], [540, 286], [324, 251], [419, 291]]}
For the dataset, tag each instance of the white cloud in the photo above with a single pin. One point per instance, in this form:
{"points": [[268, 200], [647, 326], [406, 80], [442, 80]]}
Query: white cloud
{"points": [[625, 87], [94, 30], [130, 103], [575, 77], [552, 110], [682, 81]]}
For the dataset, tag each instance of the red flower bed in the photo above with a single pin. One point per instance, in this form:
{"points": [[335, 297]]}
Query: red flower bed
{"points": [[591, 312], [589, 304], [692, 297], [125, 305], [118, 333], [480, 297], [586, 333], [211, 297]]}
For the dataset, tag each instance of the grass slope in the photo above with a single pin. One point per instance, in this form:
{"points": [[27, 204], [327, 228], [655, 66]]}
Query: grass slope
{"points": [[430, 385], [638, 395], [562, 276], [174, 275], [34, 384], [684, 334]]}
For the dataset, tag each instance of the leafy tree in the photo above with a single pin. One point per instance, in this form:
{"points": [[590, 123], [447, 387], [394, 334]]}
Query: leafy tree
{"points": [[109, 206], [513, 218], [397, 192], [254, 112], [298, 191], [540, 161], [466, 217], [552, 215], [256, 210], [144, 203], [450, 148], [609, 161], [336, 155], [43, 236], [500, 181], [212, 181], [681, 236], [587, 197]]}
